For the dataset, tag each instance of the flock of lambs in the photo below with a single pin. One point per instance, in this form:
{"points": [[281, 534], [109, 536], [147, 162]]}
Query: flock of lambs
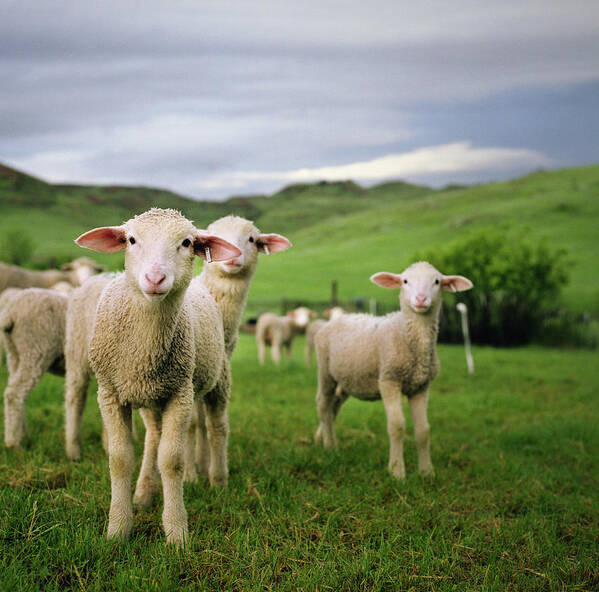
{"points": [[161, 341]]}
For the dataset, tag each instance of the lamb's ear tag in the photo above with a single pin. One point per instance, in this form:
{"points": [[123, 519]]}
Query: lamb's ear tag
{"points": [[452, 288], [208, 255], [266, 250]]}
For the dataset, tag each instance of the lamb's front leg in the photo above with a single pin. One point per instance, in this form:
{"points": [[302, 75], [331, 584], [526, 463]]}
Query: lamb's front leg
{"points": [[418, 405], [117, 420], [171, 464], [147, 482], [396, 426]]}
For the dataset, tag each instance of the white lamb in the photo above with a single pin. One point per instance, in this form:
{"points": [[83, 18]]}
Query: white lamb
{"points": [[150, 348], [315, 326], [229, 283], [32, 323], [384, 357], [75, 273], [280, 332]]}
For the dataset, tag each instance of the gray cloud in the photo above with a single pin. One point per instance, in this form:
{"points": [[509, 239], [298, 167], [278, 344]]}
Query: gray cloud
{"points": [[175, 93]]}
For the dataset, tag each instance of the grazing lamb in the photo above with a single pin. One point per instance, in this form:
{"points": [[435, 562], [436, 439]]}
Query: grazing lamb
{"points": [[382, 357], [75, 273], [150, 348], [315, 326], [229, 283], [280, 332], [32, 330]]}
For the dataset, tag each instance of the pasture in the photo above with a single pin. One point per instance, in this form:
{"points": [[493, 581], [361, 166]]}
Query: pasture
{"points": [[514, 504]]}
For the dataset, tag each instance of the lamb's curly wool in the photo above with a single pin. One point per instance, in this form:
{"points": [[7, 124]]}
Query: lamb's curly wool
{"points": [[384, 357], [152, 347], [32, 323]]}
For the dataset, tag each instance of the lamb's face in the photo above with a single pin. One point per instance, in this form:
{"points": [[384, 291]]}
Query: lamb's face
{"points": [[81, 269], [245, 236], [421, 286], [301, 316], [159, 255]]}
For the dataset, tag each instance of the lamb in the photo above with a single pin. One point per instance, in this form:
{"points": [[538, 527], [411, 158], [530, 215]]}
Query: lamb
{"points": [[229, 282], [151, 346], [315, 326], [280, 332], [32, 328], [75, 273], [382, 357]]}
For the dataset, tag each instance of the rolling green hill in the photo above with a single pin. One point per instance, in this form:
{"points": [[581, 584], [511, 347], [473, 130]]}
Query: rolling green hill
{"points": [[339, 230]]}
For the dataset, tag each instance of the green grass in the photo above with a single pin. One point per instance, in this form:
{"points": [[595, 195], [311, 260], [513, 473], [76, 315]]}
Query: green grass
{"points": [[514, 504]]}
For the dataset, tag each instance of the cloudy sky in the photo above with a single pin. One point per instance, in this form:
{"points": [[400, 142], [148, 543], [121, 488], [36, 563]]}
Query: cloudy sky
{"points": [[216, 98]]}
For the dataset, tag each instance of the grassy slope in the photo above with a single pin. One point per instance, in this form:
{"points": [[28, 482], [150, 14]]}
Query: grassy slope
{"points": [[514, 505], [561, 206], [339, 230]]}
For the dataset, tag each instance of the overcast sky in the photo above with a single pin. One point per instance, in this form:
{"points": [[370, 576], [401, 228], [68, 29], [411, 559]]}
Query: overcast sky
{"points": [[213, 99]]}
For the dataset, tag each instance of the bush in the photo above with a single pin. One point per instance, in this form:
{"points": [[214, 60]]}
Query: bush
{"points": [[16, 247], [517, 284]]}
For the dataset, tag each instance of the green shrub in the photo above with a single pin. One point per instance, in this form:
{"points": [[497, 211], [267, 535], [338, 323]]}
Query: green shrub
{"points": [[517, 283], [16, 246]]}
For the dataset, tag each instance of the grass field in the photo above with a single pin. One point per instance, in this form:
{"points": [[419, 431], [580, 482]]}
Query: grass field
{"points": [[514, 504]]}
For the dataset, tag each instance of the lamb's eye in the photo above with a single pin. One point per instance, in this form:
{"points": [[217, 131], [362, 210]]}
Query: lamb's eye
{"points": [[132, 240], [251, 239], [405, 281], [186, 243], [437, 281]]}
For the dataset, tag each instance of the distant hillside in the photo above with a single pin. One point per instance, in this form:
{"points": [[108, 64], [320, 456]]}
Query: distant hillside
{"points": [[340, 231], [291, 208]]}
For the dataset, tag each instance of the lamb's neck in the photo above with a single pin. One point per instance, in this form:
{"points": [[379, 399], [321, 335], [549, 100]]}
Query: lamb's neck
{"points": [[230, 291], [421, 330]]}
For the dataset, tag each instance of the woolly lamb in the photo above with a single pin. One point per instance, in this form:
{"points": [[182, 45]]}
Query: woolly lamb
{"points": [[75, 273], [315, 326], [32, 329], [382, 357], [280, 332], [149, 349], [229, 282]]}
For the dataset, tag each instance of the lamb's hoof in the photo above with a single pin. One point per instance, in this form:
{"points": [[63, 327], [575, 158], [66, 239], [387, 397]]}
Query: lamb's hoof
{"points": [[190, 476], [119, 530], [427, 471], [219, 480], [177, 537], [74, 453], [397, 472], [143, 499]]}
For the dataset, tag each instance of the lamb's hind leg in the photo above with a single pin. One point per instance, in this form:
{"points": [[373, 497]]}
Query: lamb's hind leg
{"points": [[217, 427], [149, 478], [20, 384], [418, 407], [325, 405], [396, 426], [76, 383], [202, 451]]}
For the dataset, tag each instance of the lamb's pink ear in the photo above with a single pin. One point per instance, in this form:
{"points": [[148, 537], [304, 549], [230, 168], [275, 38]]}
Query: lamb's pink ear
{"points": [[386, 280], [214, 248], [272, 243], [107, 239], [456, 283]]}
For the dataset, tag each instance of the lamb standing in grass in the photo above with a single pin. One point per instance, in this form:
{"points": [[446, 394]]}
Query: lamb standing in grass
{"points": [[280, 332], [229, 283], [384, 357], [145, 343], [75, 273], [32, 324]]}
